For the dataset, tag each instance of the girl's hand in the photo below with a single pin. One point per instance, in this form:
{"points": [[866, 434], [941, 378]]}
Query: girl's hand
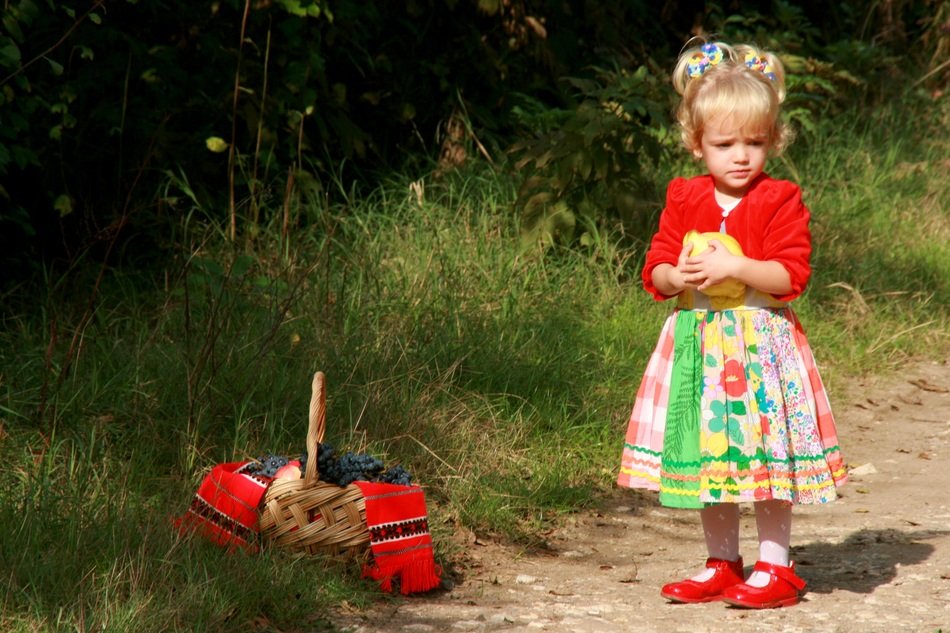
{"points": [[712, 266], [677, 275], [716, 264], [669, 279]]}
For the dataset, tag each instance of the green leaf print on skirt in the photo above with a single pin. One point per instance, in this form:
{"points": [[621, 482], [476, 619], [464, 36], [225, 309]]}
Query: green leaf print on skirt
{"points": [[680, 465]]}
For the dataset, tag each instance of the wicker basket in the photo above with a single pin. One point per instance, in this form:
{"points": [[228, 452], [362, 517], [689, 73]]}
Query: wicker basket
{"points": [[309, 515]]}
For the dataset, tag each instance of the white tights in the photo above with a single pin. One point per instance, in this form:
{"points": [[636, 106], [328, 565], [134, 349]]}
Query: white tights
{"points": [[773, 519]]}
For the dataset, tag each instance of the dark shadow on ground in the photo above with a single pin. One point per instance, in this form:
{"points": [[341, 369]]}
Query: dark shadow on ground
{"points": [[864, 561]]}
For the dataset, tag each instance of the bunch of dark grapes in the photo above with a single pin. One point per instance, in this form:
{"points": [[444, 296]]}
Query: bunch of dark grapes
{"points": [[326, 458], [396, 475], [350, 467], [267, 466]]}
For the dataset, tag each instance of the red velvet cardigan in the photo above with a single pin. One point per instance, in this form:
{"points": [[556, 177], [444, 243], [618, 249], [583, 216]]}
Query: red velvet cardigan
{"points": [[770, 223]]}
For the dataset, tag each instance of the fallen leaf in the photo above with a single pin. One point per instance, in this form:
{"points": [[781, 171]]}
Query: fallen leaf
{"points": [[864, 469]]}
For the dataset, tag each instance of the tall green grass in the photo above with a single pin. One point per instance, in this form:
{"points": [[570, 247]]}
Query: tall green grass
{"points": [[879, 191], [501, 377]]}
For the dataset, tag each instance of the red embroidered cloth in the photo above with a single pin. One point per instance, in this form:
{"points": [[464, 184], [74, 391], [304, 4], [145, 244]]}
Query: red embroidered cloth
{"points": [[399, 537], [225, 509]]}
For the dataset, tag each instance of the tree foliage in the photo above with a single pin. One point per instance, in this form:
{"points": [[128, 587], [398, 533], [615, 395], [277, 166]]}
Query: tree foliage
{"points": [[110, 109]]}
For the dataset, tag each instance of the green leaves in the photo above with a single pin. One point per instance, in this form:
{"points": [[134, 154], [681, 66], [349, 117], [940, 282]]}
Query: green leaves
{"points": [[597, 162], [63, 205], [55, 66], [723, 420], [9, 54], [94, 100], [306, 9]]}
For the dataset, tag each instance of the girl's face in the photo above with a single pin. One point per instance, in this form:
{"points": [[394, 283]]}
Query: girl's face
{"points": [[733, 155]]}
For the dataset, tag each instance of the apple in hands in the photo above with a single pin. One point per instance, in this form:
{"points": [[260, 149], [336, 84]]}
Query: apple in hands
{"points": [[700, 242]]}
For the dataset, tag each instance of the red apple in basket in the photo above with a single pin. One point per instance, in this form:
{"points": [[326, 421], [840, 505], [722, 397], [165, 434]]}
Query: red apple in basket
{"points": [[290, 471]]}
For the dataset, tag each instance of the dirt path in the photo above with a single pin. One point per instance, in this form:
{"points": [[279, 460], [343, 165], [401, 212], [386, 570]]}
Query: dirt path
{"points": [[878, 560]]}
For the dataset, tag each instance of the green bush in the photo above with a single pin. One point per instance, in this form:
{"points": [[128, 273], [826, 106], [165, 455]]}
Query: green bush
{"points": [[310, 98]]}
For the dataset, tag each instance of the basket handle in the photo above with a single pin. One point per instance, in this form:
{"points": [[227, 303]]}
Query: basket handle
{"points": [[317, 426]]}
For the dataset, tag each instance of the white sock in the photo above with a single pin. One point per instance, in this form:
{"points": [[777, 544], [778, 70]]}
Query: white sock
{"points": [[721, 529], [773, 519]]}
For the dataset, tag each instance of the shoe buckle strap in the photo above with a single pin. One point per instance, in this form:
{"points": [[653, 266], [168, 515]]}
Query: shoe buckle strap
{"points": [[785, 573]]}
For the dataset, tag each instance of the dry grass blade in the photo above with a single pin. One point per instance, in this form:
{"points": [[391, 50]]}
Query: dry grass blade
{"points": [[896, 336], [864, 307]]}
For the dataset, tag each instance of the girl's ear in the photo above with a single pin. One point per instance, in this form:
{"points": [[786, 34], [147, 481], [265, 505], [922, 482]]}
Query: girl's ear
{"points": [[698, 144]]}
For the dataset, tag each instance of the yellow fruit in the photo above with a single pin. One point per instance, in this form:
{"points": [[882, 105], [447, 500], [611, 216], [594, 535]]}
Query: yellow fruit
{"points": [[700, 242]]}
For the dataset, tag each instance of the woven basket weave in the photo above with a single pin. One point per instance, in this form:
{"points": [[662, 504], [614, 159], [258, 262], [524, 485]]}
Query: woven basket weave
{"points": [[307, 514]]}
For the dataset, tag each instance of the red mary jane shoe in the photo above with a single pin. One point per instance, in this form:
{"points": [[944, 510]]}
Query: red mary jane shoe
{"points": [[727, 574], [782, 591]]}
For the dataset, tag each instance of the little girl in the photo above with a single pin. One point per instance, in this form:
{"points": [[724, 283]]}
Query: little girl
{"points": [[731, 408]]}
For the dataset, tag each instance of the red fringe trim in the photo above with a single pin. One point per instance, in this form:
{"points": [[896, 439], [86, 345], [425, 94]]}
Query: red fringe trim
{"points": [[415, 575]]}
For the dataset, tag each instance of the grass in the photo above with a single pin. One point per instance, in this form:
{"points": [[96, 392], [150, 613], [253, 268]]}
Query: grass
{"points": [[501, 378], [880, 291]]}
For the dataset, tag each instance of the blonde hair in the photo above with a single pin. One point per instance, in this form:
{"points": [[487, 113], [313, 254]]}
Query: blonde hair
{"points": [[731, 88]]}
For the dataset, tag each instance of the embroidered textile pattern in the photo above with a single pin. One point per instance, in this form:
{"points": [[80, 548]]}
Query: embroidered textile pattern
{"points": [[402, 529], [218, 521], [225, 507], [399, 538]]}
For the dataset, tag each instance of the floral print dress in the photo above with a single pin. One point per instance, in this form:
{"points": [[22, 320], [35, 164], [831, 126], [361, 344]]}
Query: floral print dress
{"points": [[731, 408]]}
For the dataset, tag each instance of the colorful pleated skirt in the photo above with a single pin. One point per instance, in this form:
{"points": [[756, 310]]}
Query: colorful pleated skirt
{"points": [[732, 409]]}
